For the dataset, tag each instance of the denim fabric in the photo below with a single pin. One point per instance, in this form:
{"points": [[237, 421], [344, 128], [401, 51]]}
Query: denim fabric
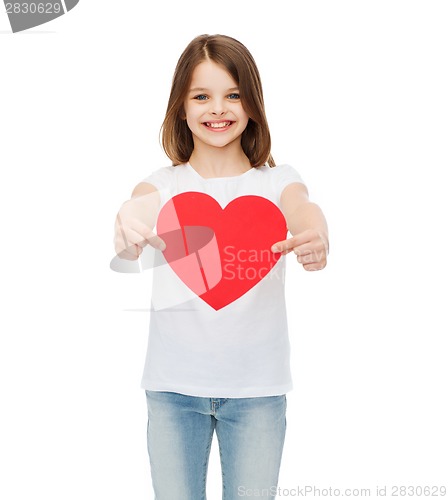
{"points": [[250, 433]]}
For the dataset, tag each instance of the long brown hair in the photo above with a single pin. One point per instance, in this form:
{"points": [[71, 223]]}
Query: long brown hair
{"points": [[232, 55]]}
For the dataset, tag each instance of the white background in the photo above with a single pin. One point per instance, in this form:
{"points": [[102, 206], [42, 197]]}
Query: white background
{"points": [[356, 100]]}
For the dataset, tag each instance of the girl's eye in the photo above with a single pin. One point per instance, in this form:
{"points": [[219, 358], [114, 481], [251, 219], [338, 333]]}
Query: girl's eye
{"points": [[203, 97]]}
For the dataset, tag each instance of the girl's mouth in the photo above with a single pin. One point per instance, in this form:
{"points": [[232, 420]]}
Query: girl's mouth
{"points": [[218, 126]]}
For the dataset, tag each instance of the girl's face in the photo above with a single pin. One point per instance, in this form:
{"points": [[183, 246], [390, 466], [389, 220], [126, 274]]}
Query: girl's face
{"points": [[213, 108]]}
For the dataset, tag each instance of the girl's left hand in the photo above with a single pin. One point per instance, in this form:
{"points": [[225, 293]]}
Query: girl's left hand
{"points": [[310, 247]]}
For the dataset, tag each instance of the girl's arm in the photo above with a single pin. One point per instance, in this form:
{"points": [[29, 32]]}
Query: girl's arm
{"points": [[308, 228]]}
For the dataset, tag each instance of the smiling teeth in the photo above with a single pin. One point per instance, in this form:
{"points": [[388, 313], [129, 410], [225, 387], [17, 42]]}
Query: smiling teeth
{"points": [[218, 125]]}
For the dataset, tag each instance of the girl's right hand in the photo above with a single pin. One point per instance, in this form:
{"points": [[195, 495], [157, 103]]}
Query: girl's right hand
{"points": [[134, 224]]}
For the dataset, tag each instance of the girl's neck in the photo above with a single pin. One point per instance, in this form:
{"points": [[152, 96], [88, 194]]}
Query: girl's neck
{"points": [[219, 163]]}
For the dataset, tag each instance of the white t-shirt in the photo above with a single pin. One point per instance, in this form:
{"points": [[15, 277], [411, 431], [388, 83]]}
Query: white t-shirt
{"points": [[240, 350]]}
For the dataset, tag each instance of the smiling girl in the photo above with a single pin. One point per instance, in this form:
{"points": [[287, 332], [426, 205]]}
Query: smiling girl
{"points": [[226, 369]]}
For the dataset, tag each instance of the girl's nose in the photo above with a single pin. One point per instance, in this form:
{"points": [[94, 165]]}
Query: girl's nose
{"points": [[218, 107]]}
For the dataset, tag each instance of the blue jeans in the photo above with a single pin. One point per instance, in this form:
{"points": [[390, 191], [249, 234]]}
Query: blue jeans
{"points": [[250, 432]]}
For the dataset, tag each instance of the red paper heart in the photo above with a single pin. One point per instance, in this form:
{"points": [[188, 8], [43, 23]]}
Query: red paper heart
{"points": [[219, 253]]}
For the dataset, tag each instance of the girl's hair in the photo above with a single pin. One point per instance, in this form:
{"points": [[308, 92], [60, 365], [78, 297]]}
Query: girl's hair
{"points": [[233, 56]]}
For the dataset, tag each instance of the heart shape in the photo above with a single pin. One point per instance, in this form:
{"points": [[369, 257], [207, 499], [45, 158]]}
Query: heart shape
{"points": [[220, 254]]}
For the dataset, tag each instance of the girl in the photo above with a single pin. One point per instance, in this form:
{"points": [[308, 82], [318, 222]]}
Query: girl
{"points": [[219, 360]]}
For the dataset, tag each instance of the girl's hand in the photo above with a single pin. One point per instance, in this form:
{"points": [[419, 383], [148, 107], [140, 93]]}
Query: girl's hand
{"points": [[133, 227], [310, 247]]}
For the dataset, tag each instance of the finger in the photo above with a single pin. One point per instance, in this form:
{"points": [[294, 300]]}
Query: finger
{"points": [[308, 259], [127, 240], [284, 246], [139, 234], [156, 242], [120, 226], [288, 244], [147, 235], [305, 249], [310, 253], [131, 253], [315, 266]]}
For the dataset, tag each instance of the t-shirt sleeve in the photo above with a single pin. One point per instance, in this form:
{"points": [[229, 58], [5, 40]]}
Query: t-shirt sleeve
{"points": [[282, 176], [160, 178]]}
